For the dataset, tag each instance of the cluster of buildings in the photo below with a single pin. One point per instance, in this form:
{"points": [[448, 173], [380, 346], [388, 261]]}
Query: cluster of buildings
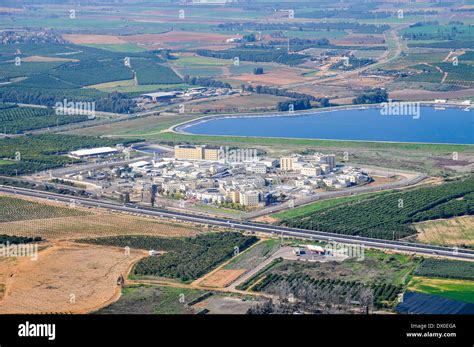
{"points": [[232, 177], [319, 170], [184, 95], [18, 36]]}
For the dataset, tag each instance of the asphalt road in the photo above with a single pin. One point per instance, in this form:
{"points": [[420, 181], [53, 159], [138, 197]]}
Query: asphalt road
{"points": [[415, 248]]}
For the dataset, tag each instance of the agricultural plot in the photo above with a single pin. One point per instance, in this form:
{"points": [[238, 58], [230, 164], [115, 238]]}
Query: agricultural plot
{"points": [[41, 152], [92, 72], [384, 275], [456, 231], [12, 209], [452, 44], [48, 82], [447, 288], [19, 119], [443, 268], [438, 32], [257, 55], [389, 216], [147, 299], [186, 259], [150, 72], [45, 286], [320, 205], [384, 295], [254, 256], [99, 224], [238, 103], [8, 69]]}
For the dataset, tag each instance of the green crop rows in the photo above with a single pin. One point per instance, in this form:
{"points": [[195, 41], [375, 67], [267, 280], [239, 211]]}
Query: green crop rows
{"points": [[446, 269], [186, 259], [388, 216], [19, 119]]}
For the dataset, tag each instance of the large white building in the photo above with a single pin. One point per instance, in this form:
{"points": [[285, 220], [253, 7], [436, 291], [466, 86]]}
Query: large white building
{"points": [[93, 152]]}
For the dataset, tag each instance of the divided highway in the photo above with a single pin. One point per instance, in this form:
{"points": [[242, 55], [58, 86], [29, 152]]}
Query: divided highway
{"points": [[415, 248]]}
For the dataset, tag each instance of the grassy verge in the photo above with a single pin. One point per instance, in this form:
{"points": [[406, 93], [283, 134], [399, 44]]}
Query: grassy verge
{"points": [[175, 137]]}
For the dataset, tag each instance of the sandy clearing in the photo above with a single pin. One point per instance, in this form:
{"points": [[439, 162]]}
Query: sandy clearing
{"points": [[67, 277], [40, 59], [221, 278], [94, 39]]}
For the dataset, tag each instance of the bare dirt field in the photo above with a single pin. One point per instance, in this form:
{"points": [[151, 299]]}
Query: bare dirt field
{"points": [[379, 180], [226, 305], [363, 82], [360, 39], [177, 36], [418, 94], [70, 278], [94, 39], [241, 103], [449, 232], [279, 76], [221, 278]]}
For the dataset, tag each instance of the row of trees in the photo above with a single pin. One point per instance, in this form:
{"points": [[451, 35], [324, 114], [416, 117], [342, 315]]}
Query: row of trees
{"points": [[106, 102], [187, 258], [300, 293], [301, 26], [295, 105], [372, 96], [256, 55], [385, 216], [205, 82]]}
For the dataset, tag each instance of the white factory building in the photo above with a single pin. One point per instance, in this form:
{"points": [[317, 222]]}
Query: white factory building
{"points": [[93, 152]]}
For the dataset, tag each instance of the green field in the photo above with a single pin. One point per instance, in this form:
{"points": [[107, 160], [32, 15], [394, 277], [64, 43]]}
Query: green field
{"points": [[307, 142], [126, 47], [6, 162], [320, 205], [447, 288], [390, 216], [444, 268]]}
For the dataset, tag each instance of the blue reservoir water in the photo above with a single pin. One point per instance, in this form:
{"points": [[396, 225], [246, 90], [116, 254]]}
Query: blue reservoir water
{"points": [[451, 125]]}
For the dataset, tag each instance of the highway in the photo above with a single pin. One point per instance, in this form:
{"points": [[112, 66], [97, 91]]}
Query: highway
{"points": [[415, 248]]}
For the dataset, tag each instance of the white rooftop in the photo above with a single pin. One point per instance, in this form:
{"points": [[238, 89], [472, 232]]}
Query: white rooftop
{"points": [[93, 151], [139, 164]]}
